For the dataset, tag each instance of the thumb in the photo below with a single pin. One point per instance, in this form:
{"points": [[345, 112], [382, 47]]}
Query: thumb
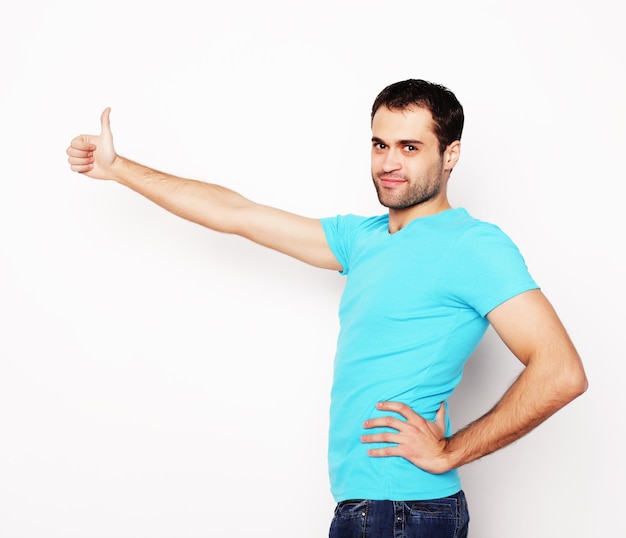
{"points": [[105, 154], [440, 418], [105, 122]]}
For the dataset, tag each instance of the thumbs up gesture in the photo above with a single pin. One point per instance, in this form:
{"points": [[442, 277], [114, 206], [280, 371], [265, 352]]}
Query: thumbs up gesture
{"points": [[94, 155]]}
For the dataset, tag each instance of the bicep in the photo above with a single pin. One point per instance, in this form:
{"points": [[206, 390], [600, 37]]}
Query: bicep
{"points": [[300, 237], [532, 330]]}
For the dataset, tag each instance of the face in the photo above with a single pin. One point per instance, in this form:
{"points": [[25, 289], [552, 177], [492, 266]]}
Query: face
{"points": [[408, 169]]}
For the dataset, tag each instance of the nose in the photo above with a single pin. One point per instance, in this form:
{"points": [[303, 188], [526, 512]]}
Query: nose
{"points": [[391, 161]]}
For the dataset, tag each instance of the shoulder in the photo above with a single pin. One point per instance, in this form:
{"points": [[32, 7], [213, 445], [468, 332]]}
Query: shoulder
{"points": [[476, 231], [350, 223]]}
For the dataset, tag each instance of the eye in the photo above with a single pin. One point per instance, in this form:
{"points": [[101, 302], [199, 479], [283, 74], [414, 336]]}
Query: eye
{"points": [[380, 145], [410, 148]]}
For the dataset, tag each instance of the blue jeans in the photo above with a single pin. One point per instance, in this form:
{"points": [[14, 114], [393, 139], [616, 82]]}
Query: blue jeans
{"points": [[437, 518]]}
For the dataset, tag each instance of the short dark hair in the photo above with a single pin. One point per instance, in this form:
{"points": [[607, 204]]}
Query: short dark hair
{"points": [[445, 108]]}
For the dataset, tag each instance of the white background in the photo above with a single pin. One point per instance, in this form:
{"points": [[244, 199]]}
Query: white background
{"points": [[161, 380]]}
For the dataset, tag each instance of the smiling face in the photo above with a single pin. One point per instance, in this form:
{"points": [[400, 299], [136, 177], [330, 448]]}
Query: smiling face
{"points": [[408, 169]]}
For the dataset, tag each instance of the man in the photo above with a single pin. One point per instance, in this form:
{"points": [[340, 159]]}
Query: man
{"points": [[424, 281]]}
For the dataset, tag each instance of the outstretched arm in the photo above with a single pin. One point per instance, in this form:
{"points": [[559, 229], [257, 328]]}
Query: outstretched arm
{"points": [[210, 205], [553, 376]]}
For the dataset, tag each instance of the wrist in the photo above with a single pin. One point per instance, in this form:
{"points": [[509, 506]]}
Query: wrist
{"points": [[117, 167], [125, 172], [447, 458]]}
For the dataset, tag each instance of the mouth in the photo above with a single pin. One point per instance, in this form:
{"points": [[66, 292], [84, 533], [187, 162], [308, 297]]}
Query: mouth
{"points": [[391, 182]]}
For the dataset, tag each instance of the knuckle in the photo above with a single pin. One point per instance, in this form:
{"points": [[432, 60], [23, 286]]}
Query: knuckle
{"points": [[411, 427]]}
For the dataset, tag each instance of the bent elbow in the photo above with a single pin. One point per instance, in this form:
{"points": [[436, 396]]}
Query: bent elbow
{"points": [[574, 383], [582, 384]]}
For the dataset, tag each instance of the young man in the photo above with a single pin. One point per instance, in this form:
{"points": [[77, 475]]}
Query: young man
{"points": [[424, 281]]}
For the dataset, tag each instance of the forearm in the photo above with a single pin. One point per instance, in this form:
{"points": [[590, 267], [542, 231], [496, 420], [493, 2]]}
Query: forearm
{"points": [[532, 399], [207, 204]]}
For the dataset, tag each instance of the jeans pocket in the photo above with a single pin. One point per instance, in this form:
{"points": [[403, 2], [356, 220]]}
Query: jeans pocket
{"points": [[349, 519], [438, 518]]}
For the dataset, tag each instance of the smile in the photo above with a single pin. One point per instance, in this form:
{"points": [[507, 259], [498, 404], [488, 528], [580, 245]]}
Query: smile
{"points": [[391, 182]]}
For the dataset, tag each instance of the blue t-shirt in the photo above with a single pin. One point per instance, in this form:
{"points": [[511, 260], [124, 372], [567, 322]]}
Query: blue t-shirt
{"points": [[412, 312]]}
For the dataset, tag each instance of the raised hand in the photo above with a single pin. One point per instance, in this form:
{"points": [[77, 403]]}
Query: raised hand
{"points": [[418, 440], [94, 155]]}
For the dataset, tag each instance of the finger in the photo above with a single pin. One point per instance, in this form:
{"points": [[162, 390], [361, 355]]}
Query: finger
{"points": [[78, 161], [82, 168], [385, 452], [105, 121], [385, 437], [76, 152], [83, 142], [382, 422], [396, 407]]}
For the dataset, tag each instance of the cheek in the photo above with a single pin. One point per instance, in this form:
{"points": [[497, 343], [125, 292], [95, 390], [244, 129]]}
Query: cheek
{"points": [[375, 162]]}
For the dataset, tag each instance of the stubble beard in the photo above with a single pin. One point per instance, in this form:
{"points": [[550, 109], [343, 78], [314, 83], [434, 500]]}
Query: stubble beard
{"points": [[415, 193]]}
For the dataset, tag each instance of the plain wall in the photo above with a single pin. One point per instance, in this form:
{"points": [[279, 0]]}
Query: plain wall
{"points": [[158, 379]]}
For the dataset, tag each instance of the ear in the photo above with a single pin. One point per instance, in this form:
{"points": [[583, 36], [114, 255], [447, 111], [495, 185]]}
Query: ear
{"points": [[451, 155]]}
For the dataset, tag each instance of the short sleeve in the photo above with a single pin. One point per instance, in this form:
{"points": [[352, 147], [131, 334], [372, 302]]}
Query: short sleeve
{"points": [[340, 233], [487, 269]]}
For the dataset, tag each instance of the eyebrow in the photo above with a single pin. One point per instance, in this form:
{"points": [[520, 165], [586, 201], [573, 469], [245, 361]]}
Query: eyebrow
{"points": [[407, 142]]}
